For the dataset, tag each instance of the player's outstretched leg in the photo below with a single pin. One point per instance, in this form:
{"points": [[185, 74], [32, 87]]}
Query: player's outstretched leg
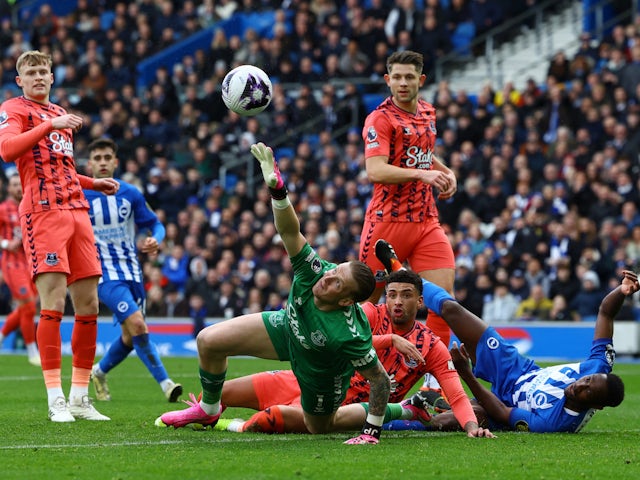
{"points": [[387, 256]]}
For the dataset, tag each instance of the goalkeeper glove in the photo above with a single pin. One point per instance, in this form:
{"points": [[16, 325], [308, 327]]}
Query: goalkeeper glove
{"points": [[270, 171]]}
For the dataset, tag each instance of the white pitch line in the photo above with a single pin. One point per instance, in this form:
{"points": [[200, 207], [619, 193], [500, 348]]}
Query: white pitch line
{"points": [[241, 438]]}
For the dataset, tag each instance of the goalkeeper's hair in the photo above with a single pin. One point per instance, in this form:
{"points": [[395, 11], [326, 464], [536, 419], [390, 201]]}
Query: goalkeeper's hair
{"points": [[406, 57], [615, 388], [365, 281]]}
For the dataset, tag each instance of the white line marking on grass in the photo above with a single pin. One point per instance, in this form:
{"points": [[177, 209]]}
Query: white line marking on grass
{"points": [[252, 438]]}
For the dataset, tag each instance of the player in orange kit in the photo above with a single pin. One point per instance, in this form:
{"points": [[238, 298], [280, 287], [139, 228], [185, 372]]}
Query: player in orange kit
{"points": [[407, 350], [56, 229], [399, 138], [15, 271]]}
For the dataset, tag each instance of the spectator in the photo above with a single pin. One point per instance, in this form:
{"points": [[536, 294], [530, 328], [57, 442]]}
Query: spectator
{"points": [[535, 307], [175, 268], [587, 301], [502, 307], [560, 310]]}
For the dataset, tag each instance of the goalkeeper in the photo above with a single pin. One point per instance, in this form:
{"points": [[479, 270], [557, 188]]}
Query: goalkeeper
{"points": [[323, 332]]}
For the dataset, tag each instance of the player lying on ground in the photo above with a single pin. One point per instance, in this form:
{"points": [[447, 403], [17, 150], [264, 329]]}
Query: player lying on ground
{"points": [[524, 396], [323, 332], [407, 349]]}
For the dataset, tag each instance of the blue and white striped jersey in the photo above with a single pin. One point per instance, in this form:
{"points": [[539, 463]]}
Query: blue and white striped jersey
{"points": [[114, 219], [537, 394]]}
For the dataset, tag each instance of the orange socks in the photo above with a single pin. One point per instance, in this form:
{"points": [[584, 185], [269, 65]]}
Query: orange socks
{"points": [[27, 325], [269, 420], [11, 323], [48, 336], [83, 341]]}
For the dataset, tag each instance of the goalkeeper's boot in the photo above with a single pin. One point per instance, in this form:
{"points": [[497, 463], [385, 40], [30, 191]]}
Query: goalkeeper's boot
{"points": [[193, 416], [434, 398], [387, 256], [418, 408]]}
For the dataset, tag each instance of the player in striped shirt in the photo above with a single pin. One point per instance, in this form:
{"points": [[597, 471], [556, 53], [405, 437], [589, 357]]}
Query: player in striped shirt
{"points": [[116, 220], [399, 139], [56, 231], [15, 271], [524, 396]]}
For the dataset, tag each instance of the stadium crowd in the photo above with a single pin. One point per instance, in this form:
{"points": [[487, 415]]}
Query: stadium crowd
{"points": [[548, 209]]}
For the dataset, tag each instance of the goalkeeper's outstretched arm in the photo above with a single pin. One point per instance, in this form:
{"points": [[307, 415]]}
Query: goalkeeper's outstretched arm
{"points": [[285, 217]]}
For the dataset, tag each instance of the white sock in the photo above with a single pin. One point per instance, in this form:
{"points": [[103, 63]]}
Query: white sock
{"points": [[97, 371], [76, 394], [53, 393], [235, 426], [210, 408], [32, 349], [165, 384]]}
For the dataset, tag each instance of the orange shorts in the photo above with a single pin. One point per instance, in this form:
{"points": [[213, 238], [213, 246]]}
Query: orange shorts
{"points": [[60, 241], [424, 245], [19, 282], [277, 387]]}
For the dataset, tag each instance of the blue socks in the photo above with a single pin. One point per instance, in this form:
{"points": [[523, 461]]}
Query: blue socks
{"points": [[434, 296], [117, 352], [148, 353]]}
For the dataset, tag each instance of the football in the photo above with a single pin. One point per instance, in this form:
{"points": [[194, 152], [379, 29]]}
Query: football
{"points": [[247, 90]]}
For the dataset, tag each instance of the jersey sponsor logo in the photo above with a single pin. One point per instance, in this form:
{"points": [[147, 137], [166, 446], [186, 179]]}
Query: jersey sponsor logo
{"points": [[318, 338], [319, 404], [51, 259], [432, 127], [59, 144], [493, 343], [122, 307], [294, 325], [417, 158], [407, 131], [361, 362], [521, 426], [373, 145]]}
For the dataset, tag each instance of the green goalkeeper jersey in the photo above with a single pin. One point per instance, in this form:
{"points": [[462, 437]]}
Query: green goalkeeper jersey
{"points": [[324, 348]]}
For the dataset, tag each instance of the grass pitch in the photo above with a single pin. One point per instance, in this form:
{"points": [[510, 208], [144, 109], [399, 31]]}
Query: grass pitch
{"points": [[131, 447]]}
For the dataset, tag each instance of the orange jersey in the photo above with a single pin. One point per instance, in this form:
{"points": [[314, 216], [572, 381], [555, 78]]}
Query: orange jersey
{"points": [[408, 140], [10, 229], [404, 375], [47, 171]]}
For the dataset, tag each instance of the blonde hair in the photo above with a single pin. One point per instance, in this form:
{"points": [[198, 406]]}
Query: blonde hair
{"points": [[33, 57]]}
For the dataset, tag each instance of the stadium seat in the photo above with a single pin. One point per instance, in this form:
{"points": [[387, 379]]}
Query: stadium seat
{"points": [[462, 37], [372, 100]]}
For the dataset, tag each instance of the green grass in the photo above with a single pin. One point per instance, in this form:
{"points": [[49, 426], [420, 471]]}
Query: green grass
{"points": [[131, 447]]}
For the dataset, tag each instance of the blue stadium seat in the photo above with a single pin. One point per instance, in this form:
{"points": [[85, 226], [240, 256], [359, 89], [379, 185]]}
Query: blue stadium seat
{"points": [[284, 152], [462, 37], [372, 100]]}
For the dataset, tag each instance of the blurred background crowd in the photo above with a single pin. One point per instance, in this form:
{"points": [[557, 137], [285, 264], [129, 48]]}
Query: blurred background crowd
{"points": [[547, 211]]}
